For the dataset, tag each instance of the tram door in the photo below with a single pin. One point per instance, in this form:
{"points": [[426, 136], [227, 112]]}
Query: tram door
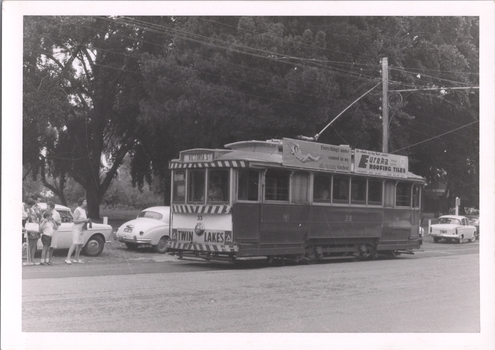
{"points": [[246, 209]]}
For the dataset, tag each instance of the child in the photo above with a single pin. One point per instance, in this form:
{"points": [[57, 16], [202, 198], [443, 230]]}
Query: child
{"points": [[46, 228]]}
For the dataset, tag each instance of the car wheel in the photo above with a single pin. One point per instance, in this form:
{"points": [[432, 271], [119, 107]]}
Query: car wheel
{"points": [[132, 246], [459, 240], [472, 239], [435, 239], [94, 246], [161, 247]]}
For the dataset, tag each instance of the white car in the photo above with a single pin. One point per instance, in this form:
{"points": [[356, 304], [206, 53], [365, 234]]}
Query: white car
{"points": [[453, 228], [94, 237], [151, 228]]}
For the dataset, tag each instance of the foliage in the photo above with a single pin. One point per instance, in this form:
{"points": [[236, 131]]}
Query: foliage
{"points": [[153, 86]]}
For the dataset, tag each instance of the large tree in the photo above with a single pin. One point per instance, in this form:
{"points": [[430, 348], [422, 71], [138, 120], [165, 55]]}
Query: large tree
{"points": [[82, 82]]}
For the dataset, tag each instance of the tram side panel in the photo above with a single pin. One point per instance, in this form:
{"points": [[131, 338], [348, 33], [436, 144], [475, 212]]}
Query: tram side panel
{"points": [[284, 223], [338, 225], [400, 230]]}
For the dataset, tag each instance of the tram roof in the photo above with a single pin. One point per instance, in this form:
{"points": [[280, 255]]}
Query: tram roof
{"points": [[267, 153]]}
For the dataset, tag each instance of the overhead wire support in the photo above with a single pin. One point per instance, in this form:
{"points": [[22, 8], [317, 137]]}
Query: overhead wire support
{"points": [[315, 138]]}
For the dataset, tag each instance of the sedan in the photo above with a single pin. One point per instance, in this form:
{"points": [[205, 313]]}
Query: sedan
{"points": [[453, 228], [94, 238], [151, 228]]}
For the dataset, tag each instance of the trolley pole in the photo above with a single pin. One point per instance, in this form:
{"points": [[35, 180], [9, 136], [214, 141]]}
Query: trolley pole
{"points": [[385, 104]]}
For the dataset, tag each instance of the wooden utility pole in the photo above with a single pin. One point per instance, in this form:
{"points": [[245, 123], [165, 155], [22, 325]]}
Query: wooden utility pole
{"points": [[385, 104]]}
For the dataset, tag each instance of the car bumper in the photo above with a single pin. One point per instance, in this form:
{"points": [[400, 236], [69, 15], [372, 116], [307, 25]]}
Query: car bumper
{"points": [[444, 235], [135, 239]]}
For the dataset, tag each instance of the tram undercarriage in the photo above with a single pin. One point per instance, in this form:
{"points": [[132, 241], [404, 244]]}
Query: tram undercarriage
{"points": [[297, 253]]}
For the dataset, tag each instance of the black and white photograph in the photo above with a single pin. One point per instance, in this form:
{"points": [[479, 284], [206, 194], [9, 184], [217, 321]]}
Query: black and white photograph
{"points": [[248, 175]]}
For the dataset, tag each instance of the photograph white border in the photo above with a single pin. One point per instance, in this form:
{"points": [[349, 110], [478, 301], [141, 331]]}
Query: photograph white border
{"points": [[11, 269]]}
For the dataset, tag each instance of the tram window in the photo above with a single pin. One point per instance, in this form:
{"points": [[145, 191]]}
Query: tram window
{"points": [[375, 192], [321, 188], [277, 185], [403, 194], [389, 193], [179, 195], [247, 189], [416, 196], [341, 189], [299, 187], [218, 185], [358, 190], [196, 186]]}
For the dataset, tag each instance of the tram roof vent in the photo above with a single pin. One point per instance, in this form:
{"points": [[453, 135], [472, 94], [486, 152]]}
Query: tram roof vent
{"points": [[269, 146]]}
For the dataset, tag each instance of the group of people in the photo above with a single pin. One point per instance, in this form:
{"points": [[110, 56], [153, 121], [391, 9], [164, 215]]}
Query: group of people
{"points": [[48, 224]]}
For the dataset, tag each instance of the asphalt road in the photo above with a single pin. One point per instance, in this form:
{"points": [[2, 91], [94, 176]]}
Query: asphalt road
{"points": [[436, 290]]}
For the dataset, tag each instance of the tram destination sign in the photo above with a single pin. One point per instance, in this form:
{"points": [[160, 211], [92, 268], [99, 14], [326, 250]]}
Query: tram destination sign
{"points": [[314, 155], [201, 156], [376, 163]]}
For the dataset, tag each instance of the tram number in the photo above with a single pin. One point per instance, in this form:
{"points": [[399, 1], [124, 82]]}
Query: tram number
{"points": [[348, 218], [200, 217]]}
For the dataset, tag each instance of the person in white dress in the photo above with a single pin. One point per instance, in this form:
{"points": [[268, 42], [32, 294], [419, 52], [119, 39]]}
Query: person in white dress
{"points": [[80, 219]]}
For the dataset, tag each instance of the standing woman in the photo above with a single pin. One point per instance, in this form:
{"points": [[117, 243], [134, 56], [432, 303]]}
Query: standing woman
{"points": [[56, 224], [80, 219], [32, 236]]}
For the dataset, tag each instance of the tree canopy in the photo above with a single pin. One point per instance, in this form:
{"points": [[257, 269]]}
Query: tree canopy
{"points": [[152, 86]]}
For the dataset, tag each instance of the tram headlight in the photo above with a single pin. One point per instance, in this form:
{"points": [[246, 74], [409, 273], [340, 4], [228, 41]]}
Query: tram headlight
{"points": [[199, 229]]}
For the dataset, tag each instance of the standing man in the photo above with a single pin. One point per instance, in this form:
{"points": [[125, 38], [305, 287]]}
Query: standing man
{"points": [[56, 224], [80, 219]]}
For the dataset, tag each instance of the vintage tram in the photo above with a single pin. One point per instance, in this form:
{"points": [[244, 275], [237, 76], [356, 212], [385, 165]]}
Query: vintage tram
{"points": [[293, 199]]}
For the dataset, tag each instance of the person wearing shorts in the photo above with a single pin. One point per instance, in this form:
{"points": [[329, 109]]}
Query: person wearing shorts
{"points": [[80, 219], [46, 228]]}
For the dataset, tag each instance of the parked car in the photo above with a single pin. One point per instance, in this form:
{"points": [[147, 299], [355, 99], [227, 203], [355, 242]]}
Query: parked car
{"points": [[94, 237], [475, 221], [453, 228], [151, 228]]}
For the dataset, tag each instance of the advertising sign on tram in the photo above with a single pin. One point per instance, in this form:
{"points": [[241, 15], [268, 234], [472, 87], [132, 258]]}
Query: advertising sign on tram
{"points": [[316, 155], [376, 163]]}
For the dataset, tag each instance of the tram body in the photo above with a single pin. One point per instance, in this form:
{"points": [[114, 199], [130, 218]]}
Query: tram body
{"points": [[293, 199]]}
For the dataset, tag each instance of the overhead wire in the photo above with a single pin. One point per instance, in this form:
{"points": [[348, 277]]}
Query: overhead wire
{"points": [[435, 137]]}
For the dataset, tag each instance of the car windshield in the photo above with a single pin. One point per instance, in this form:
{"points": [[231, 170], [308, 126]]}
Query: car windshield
{"points": [[449, 221], [150, 215]]}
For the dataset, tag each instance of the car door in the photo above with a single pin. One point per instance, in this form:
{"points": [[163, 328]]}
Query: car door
{"points": [[64, 238], [466, 229]]}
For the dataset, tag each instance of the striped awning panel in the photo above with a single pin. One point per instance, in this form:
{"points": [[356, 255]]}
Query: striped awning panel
{"points": [[201, 209], [214, 164], [215, 248]]}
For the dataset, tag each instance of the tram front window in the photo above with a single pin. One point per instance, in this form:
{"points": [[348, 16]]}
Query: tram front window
{"points": [[218, 185], [196, 186], [179, 194]]}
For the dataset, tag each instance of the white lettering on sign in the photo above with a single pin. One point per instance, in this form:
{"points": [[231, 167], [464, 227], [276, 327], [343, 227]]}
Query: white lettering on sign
{"points": [[198, 157]]}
